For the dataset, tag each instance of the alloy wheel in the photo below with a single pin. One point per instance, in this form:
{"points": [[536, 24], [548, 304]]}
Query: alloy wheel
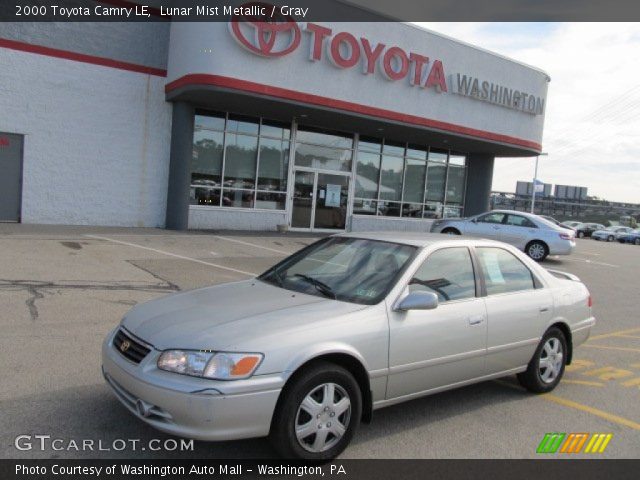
{"points": [[537, 251], [551, 358], [323, 417]]}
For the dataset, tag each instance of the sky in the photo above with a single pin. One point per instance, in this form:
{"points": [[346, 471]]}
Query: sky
{"points": [[592, 121]]}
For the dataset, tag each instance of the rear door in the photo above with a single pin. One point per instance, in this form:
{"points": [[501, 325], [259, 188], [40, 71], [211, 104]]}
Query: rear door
{"points": [[517, 230], [518, 309], [10, 176], [488, 225], [434, 348]]}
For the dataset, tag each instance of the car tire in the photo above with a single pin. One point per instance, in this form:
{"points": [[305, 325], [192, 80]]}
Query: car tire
{"points": [[537, 250], [610, 238], [551, 351], [451, 231], [304, 402], [580, 234], [636, 241]]}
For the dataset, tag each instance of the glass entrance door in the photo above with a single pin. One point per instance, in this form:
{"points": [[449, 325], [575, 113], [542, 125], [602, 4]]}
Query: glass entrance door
{"points": [[320, 200]]}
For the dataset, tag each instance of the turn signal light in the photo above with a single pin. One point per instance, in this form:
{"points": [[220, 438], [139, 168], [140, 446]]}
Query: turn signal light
{"points": [[590, 302]]}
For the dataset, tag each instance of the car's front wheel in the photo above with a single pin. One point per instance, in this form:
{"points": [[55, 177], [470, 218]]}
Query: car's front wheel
{"points": [[610, 238], [537, 250], [580, 234], [547, 365], [318, 413], [451, 231], [637, 241]]}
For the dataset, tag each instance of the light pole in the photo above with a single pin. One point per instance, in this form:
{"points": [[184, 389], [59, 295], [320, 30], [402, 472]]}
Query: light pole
{"points": [[535, 177]]}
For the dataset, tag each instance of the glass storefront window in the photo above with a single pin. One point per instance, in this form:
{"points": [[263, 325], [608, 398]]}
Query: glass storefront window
{"points": [[240, 161], [368, 144], [322, 137], [367, 175], [274, 164], [232, 145], [436, 176], [455, 185], [391, 178], [393, 148], [389, 209], [237, 198], [365, 207], [242, 124], [414, 180], [324, 158]]}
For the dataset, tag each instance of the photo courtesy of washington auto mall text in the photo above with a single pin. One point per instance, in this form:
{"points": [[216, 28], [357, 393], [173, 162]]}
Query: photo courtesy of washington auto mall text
{"points": [[359, 239]]}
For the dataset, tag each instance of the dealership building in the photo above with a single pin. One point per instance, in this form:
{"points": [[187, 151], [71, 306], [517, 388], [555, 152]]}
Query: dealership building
{"points": [[240, 125]]}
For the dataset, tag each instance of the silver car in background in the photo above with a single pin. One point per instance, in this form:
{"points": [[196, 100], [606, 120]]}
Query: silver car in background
{"points": [[352, 323], [534, 235], [610, 234]]}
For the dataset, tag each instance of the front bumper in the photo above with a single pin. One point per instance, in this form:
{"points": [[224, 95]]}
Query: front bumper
{"points": [[191, 407]]}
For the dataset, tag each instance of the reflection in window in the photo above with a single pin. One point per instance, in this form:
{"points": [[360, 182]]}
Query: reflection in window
{"points": [[240, 161], [233, 142], [503, 272], [448, 273], [436, 176], [391, 178], [367, 175], [325, 158], [274, 165], [414, 180], [455, 185]]}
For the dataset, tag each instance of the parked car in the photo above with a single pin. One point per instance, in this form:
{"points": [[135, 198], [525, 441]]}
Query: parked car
{"points": [[571, 224], [586, 229], [532, 234], [350, 324], [631, 237], [610, 233]]}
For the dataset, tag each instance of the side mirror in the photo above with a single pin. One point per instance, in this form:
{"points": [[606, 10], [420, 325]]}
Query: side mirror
{"points": [[474, 220], [418, 301]]}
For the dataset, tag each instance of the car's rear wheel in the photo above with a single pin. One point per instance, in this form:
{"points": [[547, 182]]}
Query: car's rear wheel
{"points": [[537, 250], [451, 231], [318, 414], [547, 365], [610, 238], [580, 234], [636, 241]]}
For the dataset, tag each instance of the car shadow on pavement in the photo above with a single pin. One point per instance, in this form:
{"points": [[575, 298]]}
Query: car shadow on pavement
{"points": [[93, 413]]}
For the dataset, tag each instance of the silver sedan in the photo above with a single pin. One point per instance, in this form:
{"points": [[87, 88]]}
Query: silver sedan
{"points": [[350, 324], [532, 234]]}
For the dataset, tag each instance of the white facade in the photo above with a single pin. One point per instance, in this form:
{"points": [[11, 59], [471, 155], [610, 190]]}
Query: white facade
{"points": [[96, 148]]}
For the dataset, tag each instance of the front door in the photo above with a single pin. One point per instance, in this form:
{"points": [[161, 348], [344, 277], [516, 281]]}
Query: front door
{"points": [[11, 177], [319, 200]]}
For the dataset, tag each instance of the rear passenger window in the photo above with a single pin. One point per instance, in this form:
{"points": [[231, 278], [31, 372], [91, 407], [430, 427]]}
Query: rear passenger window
{"points": [[448, 273], [503, 272], [520, 221]]}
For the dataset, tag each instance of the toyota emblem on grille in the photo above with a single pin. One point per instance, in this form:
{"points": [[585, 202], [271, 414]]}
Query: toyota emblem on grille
{"points": [[124, 346]]}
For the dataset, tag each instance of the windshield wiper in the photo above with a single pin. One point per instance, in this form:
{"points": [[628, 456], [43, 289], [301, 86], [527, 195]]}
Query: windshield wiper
{"points": [[322, 287]]}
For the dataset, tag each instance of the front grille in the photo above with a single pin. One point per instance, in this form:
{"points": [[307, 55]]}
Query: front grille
{"points": [[129, 348]]}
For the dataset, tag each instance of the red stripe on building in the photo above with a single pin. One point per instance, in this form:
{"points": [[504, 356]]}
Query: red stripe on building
{"points": [[277, 92], [80, 57]]}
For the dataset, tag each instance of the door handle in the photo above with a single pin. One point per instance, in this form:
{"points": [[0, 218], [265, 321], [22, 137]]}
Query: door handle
{"points": [[477, 320], [544, 309]]}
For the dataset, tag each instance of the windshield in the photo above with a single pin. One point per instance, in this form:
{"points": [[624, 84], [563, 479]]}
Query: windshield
{"points": [[342, 268]]}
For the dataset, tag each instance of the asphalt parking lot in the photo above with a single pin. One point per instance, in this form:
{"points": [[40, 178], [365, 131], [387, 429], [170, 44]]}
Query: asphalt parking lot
{"points": [[63, 288]]}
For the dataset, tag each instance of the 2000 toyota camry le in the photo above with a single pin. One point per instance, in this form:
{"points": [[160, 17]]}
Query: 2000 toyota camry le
{"points": [[352, 323]]}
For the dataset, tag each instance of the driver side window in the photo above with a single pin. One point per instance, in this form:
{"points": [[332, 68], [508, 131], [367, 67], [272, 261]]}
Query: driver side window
{"points": [[448, 273], [492, 218]]}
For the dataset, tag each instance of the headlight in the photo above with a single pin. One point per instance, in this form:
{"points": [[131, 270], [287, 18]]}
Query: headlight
{"points": [[218, 366]]}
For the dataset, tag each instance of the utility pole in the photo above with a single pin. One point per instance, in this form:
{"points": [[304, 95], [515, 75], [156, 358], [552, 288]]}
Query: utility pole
{"points": [[535, 178]]}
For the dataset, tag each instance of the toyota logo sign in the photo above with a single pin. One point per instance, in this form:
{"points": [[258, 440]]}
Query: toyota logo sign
{"points": [[267, 36]]}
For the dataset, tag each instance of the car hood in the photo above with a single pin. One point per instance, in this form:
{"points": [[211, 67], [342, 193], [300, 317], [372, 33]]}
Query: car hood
{"points": [[228, 315]]}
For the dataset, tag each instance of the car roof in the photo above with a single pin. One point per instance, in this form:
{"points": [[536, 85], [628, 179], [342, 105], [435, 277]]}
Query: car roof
{"points": [[419, 239]]}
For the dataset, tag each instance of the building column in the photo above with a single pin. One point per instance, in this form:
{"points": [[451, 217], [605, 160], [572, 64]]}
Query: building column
{"points": [[180, 167], [479, 179]]}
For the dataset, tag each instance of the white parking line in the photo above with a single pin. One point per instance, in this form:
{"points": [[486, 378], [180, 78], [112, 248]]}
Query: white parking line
{"points": [[591, 262], [169, 254], [241, 242]]}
